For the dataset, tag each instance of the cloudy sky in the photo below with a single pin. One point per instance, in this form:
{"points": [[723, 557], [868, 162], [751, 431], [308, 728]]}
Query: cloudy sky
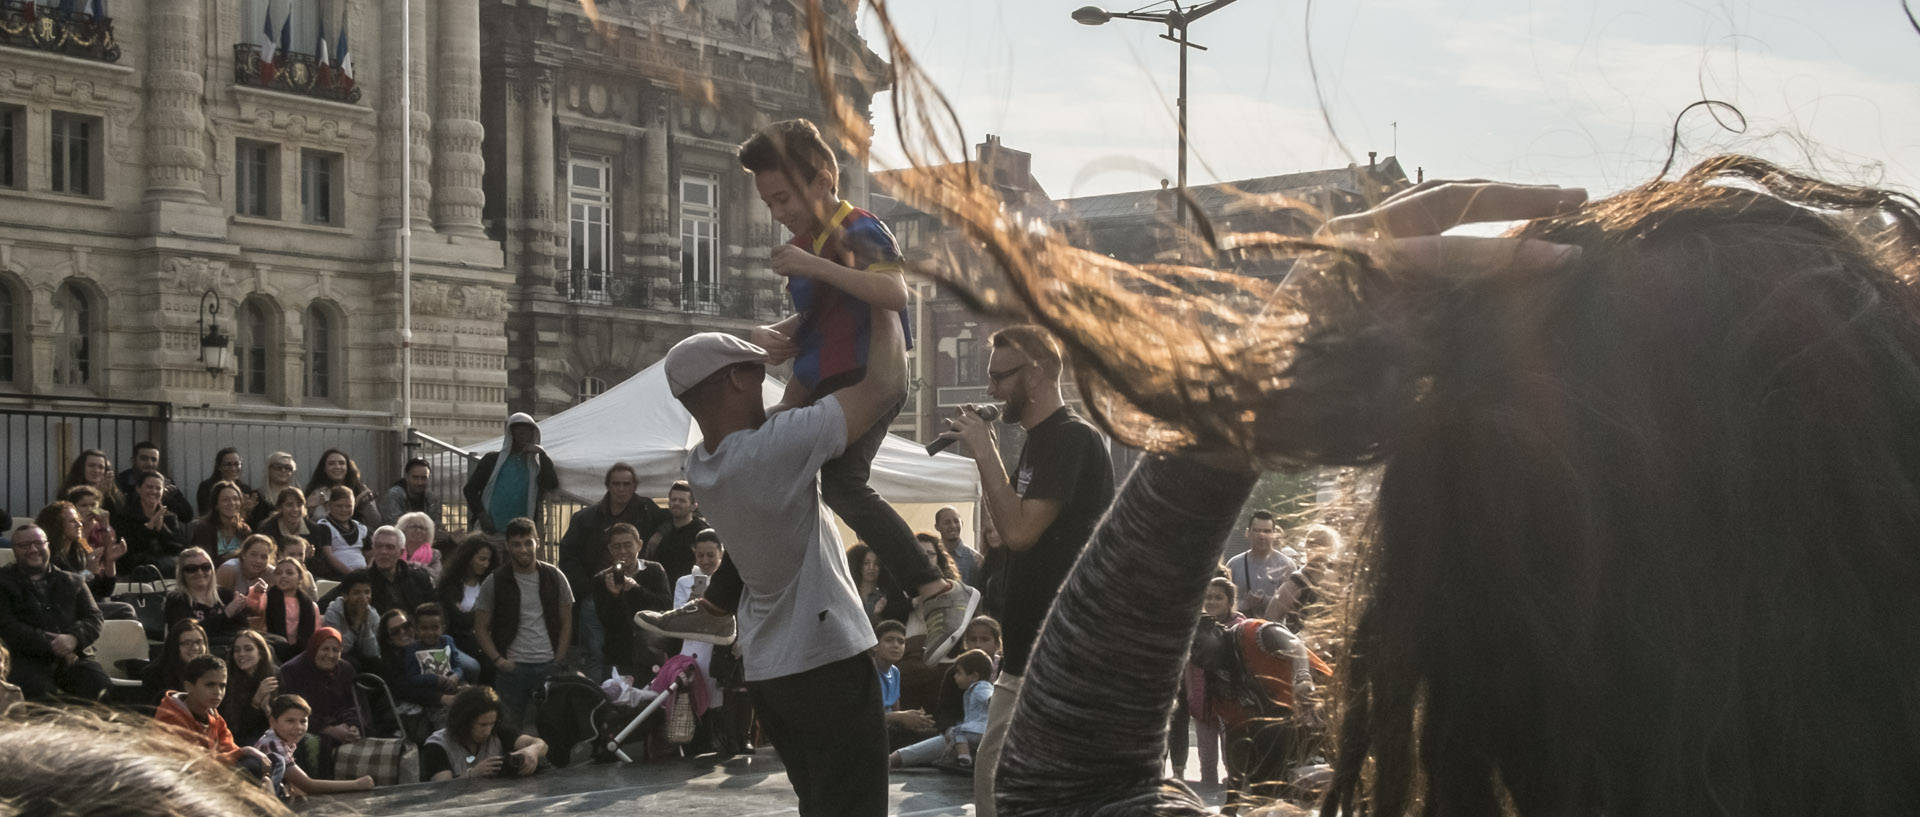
{"points": [[1577, 92]]}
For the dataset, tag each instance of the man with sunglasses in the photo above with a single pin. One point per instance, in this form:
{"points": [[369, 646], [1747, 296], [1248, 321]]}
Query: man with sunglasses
{"points": [[49, 622], [1044, 512]]}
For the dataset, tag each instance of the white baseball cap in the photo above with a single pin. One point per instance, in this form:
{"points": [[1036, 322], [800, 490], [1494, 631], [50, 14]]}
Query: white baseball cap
{"points": [[699, 356]]}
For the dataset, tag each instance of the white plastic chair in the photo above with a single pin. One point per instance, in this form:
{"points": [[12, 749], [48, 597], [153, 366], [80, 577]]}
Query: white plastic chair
{"points": [[120, 640]]}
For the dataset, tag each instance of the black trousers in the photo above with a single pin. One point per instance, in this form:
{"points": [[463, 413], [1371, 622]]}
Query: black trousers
{"points": [[827, 725], [41, 679], [843, 486]]}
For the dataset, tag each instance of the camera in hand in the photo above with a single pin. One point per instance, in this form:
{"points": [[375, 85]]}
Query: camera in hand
{"points": [[512, 765], [987, 413]]}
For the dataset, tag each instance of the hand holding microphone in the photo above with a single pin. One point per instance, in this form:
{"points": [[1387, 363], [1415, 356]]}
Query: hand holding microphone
{"points": [[987, 413]]}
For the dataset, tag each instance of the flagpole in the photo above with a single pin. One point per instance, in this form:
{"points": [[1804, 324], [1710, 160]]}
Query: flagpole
{"points": [[406, 218]]}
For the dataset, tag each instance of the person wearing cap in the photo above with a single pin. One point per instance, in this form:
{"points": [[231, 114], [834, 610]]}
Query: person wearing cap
{"points": [[510, 483], [325, 679], [803, 632]]}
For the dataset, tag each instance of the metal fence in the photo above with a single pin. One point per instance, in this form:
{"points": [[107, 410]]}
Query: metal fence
{"points": [[451, 465], [636, 290], [38, 445]]}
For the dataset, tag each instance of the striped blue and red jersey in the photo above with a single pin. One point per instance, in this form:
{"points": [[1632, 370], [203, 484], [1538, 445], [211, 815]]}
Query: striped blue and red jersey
{"points": [[833, 334]]}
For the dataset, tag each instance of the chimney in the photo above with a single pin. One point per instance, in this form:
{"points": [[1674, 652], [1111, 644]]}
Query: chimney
{"points": [[1419, 175], [1372, 156]]}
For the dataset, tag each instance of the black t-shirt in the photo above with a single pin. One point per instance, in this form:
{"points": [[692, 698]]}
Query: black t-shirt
{"points": [[1065, 459], [434, 760], [675, 551]]}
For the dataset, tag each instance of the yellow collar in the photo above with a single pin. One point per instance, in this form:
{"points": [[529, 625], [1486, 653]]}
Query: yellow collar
{"points": [[839, 215]]}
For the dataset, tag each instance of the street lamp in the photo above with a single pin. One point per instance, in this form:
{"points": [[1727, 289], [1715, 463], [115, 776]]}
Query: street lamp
{"points": [[1176, 20], [213, 342]]}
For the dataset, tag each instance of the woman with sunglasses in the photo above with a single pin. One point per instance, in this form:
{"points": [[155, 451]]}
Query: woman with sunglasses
{"points": [[280, 470], [198, 597]]}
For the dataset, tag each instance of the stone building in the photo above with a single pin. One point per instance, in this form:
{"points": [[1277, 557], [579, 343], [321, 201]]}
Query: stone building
{"points": [[611, 181], [158, 173]]}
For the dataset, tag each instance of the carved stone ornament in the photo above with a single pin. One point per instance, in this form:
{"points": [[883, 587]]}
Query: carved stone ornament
{"points": [[459, 301], [192, 276]]}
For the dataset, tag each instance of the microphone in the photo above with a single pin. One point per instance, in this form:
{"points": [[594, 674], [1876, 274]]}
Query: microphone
{"points": [[987, 413]]}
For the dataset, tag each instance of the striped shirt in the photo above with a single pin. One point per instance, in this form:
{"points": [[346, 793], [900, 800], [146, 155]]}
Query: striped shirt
{"points": [[832, 336]]}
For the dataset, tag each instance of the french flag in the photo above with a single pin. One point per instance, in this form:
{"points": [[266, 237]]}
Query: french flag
{"points": [[320, 58], [274, 33], [343, 58]]}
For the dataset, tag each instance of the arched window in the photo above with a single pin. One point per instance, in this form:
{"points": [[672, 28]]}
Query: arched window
{"points": [[7, 323], [591, 387], [250, 350], [320, 334], [72, 337]]}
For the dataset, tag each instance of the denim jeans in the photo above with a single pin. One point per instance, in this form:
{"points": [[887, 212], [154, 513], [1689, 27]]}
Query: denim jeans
{"points": [[593, 640], [516, 688]]}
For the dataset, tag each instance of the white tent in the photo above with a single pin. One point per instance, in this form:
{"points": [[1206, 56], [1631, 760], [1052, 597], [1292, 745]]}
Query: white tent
{"points": [[640, 423]]}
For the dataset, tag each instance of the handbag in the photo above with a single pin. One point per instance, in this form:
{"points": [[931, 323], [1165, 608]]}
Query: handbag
{"points": [[389, 761], [680, 719], [147, 595]]}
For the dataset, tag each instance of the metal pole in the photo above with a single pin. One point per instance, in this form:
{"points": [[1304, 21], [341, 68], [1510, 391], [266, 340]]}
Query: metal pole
{"points": [[1180, 202], [406, 217]]}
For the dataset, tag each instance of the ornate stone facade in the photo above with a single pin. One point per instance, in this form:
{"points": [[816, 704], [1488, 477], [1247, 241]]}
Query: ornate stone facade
{"points": [[610, 175], [138, 185]]}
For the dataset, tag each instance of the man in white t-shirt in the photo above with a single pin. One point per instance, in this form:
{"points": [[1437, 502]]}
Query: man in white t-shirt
{"points": [[803, 634]]}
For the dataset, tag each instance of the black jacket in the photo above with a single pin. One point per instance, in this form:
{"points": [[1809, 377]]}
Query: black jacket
{"points": [[410, 587], [25, 619], [146, 546], [174, 498], [583, 551], [616, 612]]}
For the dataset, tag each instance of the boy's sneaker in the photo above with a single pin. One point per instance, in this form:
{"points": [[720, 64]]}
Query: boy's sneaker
{"points": [[945, 617], [692, 622]]}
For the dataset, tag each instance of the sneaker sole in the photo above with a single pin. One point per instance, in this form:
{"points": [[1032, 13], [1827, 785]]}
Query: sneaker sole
{"points": [[704, 638], [935, 654]]}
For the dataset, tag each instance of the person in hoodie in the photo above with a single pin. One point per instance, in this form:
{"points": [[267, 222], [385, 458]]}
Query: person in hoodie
{"points": [[195, 713], [511, 482]]}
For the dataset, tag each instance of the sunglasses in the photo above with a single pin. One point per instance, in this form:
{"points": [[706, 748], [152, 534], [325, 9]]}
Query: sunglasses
{"points": [[197, 567], [998, 376]]}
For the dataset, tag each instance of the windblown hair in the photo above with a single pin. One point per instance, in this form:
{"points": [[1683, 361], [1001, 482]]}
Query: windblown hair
{"points": [[147, 770], [792, 146]]}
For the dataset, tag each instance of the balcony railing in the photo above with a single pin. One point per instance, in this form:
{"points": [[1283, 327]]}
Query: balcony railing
{"points": [[632, 290], [26, 24], [294, 73]]}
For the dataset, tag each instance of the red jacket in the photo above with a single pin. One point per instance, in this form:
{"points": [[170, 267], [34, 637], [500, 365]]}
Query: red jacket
{"points": [[1271, 675], [213, 734]]}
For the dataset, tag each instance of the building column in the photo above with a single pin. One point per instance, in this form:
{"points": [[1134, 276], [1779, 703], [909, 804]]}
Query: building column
{"points": [[176, 78], [656, 185], [420, 130], [393, 25], [457, 130], [540, 173]]}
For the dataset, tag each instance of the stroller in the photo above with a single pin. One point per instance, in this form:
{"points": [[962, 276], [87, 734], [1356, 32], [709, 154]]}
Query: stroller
{"points": [[570, 706], [617, 724]]}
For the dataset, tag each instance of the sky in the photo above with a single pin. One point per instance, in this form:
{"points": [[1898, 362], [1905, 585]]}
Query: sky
{"points": [[1571, 92]]}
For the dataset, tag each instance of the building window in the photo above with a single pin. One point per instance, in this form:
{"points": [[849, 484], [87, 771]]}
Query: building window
{"points": [[590, 216], [73, 154], [699, 241], [250, 350], [72, 337], [256, 171], [319, 353], [966, 361], [591, 387], [7, 307], [320, 187], [13, 125]]}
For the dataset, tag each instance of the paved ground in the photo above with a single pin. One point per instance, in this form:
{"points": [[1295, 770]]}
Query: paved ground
{"points": [[745, 786]]}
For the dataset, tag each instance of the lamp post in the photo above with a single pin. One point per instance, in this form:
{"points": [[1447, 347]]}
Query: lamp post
{"points": [[213, 342], [1176, 20]]}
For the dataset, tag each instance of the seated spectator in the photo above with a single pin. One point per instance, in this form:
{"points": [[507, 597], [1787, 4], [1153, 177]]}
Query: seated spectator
{"points": [[630, 585], [251, 567], [222, 528], [351, 614], [337, 470], [94, 469], [155, 535], [957, 743], [420, 532], [9, 693], [982, 633], [186, 640], [904, 727], [289, 522], [459, 588], [289, 615], [936, 552], [48, 621], [153, 772], [146, 459], [96, 528], [290, 714], [325, 679], [280, 476], [475, 744], [253, 680], [70, 551], [227, 467], [877, 593], [195, 595], [346, 548], [195, 713], [435, 653], [398, 584], [429, 691], [411, 494]]}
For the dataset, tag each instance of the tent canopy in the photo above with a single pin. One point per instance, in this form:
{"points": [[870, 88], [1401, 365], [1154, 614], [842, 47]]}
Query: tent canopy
{"points": [[640, 423]]}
